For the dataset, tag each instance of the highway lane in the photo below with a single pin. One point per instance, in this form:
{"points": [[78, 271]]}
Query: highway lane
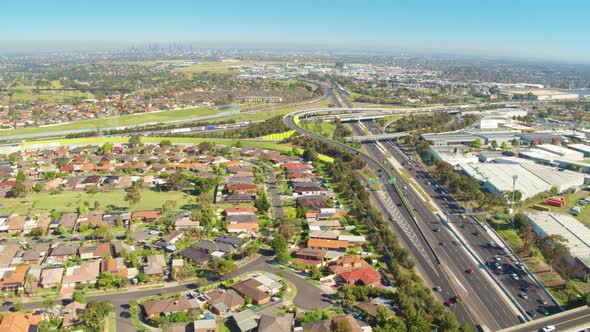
{"points": [[474, 288], [479, 238], [571, 320], [424, 257]]}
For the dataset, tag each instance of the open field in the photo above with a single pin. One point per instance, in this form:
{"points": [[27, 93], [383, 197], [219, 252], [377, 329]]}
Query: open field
{"points": [[221, 66], [68, 201], [279, 136], [25, 94], [123, 120]]}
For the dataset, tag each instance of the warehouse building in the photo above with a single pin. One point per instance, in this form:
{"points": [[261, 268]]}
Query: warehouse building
{"points": [[585, 149], [577, 236], [531, 179], [453, 154], [562, 152]]}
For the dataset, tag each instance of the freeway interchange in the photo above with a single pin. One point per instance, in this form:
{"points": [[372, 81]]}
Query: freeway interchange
{"points": [[453, 254]]}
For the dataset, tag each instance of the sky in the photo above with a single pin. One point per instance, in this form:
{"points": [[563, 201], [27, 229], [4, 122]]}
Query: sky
{"points": [[557, 30]]}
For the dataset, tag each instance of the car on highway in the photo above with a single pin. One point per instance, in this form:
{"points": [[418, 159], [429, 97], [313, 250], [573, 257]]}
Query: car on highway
{"points": [[497, 257], [531, 313], [437, 288], [523, 295], [548, 328], [436, 229], [493, 244], [498, 266], [449, 303], [542, 301], [514, 276], [543, 311], [470, 271]]}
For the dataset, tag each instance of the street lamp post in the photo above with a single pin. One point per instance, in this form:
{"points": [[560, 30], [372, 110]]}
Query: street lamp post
{"points": [[514, 178]]}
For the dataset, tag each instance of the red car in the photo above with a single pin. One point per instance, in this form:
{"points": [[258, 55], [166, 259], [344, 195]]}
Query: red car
{"points": [[470, 271], [449, 303]]}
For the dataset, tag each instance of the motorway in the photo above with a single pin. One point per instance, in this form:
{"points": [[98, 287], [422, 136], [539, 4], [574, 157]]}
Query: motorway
{"points": [[484, 306], [477, 235], [571, 320]]}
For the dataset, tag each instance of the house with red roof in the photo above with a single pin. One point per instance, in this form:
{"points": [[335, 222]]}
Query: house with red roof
{"points": [[366, 277]]}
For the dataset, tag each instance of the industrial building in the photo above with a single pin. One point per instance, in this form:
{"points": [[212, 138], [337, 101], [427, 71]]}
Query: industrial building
{"points": [[453, 138], [585, 149], [531, 179], [453, 154], [577, 236], [562, 152]]}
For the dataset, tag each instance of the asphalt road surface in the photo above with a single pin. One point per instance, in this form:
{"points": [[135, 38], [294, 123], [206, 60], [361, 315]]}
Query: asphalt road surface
{"points": [[478, 237], [275, 198]]}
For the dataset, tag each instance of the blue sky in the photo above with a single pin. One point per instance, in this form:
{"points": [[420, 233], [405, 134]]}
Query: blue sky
{"points": [[539, 29]]}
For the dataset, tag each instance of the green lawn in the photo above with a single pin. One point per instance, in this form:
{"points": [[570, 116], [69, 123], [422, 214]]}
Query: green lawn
{"points": [[25, 94], [111, 322], [123, 120], [68, 201]]}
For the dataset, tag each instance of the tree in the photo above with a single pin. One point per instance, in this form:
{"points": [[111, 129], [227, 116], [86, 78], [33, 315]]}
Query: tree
{"points": [[77, 296], [262, 204], [133, 196], [310, 154], [314, 272], [553, 248], [177, 181], [94, 314], [168, 206], [47, 304], [20, 176], [37, 231], [279, 245], [504, 146], [494, 144], [165, 142], [477, 143], [135, 140], [103, 232], [82, 209], [221, 266], [38, 187], [205, 146], [106, 148], [19, 190]]}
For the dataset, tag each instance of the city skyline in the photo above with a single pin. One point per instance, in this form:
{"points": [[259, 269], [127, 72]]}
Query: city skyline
{"points": [[522, 29]]}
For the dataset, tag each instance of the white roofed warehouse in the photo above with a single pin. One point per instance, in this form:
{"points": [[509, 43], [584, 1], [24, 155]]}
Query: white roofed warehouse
{"points": [[531, 179], [577, 236]]}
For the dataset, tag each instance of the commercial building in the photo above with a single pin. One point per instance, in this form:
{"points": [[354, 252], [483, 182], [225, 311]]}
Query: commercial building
{"points": [[531, 179], [454, 138], [577, 236]]}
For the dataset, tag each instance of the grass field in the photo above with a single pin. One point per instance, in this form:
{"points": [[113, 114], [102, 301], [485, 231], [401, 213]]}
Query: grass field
{"points": [[220, 66], [25, 94], [279, 136], [572, 200], [68, 201], [123, 120]]}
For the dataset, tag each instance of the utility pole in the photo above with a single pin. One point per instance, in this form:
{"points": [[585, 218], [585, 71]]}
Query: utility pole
{"points": [[514, 178]]}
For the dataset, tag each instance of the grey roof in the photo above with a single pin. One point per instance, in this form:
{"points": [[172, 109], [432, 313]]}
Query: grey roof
{"points": [[246, 320], [211, 246], [281, 323]]}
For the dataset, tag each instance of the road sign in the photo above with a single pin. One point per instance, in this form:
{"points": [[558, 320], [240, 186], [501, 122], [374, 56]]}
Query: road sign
{"points": [[392, 180], [373, 180]]}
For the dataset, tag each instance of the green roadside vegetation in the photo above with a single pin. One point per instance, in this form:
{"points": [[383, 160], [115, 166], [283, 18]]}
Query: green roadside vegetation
{"points": [[123, 120], [279, 136]]}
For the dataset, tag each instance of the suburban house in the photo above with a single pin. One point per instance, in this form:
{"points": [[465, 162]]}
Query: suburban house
{"points": [[250, 227], [13, 278], [365, 277], [95, 250], [348, 263], [280, 323], [63, 252], [19, 322], [233, 211], [115, 266], [68, 220], [155, 266], [222, 302], [241, 188], [51, 277], [198, 257], [146, 216], [327, 244], [85, 273], [245, 321], [157, 308], [71, 313], [36, 254], [310, 257], [252, 289], [205, 325]]}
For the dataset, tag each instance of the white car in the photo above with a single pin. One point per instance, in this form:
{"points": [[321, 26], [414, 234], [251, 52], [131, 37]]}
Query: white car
{"points": [[514, 276], [548, 328]]}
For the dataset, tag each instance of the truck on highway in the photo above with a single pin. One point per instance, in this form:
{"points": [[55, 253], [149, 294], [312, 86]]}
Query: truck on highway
{"points": [[180, 130]]}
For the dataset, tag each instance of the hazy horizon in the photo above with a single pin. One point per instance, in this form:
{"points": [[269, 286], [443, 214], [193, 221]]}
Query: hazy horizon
{"points": [[539, 30]]}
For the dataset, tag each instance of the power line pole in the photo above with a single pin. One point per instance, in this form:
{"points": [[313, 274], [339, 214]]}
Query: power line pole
{"points": [[514, 178]]}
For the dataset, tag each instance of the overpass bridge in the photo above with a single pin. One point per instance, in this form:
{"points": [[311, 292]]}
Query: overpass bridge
{"points": [[377, 138]]}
